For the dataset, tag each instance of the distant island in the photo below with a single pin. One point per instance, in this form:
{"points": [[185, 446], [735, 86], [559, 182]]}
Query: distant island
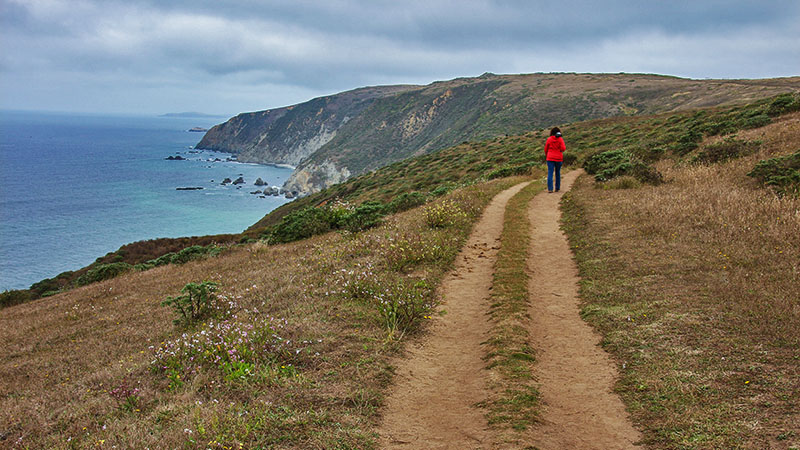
{"points": [[192, 115], [198, 129]]}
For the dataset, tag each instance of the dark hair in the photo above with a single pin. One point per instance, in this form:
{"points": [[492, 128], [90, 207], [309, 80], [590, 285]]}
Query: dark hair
{"points": [[554, 131]]}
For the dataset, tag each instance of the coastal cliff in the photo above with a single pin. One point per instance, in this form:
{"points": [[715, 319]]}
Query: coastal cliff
{"points": [[291, 134], [330, 139]]}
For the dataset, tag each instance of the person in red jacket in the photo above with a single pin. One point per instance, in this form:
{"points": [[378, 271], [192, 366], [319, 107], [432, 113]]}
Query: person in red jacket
{"points": [[554, 154]]}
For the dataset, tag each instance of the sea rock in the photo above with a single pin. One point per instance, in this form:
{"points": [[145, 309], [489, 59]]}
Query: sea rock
{"points": [[175, 158], [260, 182], [189, 188], [256, 192], [239, 180], [226, 181]]}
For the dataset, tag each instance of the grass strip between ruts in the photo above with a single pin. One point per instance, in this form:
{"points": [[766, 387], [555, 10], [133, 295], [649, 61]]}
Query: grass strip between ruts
{"points": [[514, 400]]}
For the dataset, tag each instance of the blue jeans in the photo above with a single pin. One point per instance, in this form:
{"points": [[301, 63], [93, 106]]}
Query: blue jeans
{"points": [[553, 166]]}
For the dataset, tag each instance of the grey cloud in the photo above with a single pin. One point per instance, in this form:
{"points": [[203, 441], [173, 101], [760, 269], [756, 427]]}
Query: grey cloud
{"points": [[306, 47]]}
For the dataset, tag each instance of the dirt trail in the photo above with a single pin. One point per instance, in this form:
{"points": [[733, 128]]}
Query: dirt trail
{"points": [[575, 375], [432, 404]]}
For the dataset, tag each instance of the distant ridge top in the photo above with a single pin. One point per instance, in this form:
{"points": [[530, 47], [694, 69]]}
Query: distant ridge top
{"points": [[192, 115]]}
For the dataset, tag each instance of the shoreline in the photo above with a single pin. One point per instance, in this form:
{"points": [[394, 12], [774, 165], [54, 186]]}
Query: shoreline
{"points": [[196, 157]]}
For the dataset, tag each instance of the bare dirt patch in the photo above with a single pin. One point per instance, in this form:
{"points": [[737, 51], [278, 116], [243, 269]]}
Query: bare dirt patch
{"points": [[575, 375], [433, 404]]}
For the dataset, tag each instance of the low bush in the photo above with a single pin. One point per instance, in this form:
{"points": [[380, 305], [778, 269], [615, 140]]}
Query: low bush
{"points": [[406, 201], [181, 257], [315, 220], [756, 121], [103, 272], [721, 127], [14, 297], [46, 285], [443, 214], [784, 103], [364, 216], [509, 171], [781, 173], [730, 148], [442, 190], [301, 225], [194, 304], [570, 159], [615, 163], [687, 142]]}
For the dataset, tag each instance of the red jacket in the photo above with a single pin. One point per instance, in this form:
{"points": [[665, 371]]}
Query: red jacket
{"points": [[554, 148]]}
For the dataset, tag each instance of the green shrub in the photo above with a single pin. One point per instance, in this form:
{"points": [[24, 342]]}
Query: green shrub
{"points": [[141, 267], [302, 224], [46, 285], [781, 173], [365, 216], [508, 171], [570, 159], [181, 257], [161, 260], [756, 121], [614, 163], [312, 221], [687, 142], [726, 150], [442, 190], [720, 128], [406, 201], [194, 304], [192, 253], [784, 103], [103, 272], [14, 297]]}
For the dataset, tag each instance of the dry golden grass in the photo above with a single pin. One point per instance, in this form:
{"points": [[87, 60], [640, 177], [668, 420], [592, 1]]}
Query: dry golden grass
{"points": [[694, 286], [63, 355]]}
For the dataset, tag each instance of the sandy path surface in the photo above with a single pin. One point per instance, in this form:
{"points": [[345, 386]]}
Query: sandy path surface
{"points": [[432, 404], [575, 375]]}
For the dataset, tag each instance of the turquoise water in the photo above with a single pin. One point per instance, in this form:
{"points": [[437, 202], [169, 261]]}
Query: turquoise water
{"points": [[73, 188]]}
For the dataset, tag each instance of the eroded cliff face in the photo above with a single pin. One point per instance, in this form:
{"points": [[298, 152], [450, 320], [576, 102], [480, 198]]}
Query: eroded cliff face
{"points": [[329, 139], [313, 177], [291, 134]]}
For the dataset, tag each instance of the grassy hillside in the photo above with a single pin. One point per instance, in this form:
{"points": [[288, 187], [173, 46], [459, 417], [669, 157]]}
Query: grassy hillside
{"points": [[646, 139], [295, 353], [445, 113], [296, 350], [332, 138], [693, 285]]}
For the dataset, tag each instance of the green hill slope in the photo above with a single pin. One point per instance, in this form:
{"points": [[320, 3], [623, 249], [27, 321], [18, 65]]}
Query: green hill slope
{"points": [[332, 138]]}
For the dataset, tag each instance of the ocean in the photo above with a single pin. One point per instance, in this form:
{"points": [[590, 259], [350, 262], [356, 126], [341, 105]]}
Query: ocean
{"points": [[75, 187]]}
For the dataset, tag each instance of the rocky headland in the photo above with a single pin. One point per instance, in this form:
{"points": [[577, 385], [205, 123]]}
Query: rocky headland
{"points": [[330, 139]]}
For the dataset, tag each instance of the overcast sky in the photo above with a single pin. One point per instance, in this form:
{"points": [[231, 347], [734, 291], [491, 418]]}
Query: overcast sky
{"points": [[230, 56]]}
